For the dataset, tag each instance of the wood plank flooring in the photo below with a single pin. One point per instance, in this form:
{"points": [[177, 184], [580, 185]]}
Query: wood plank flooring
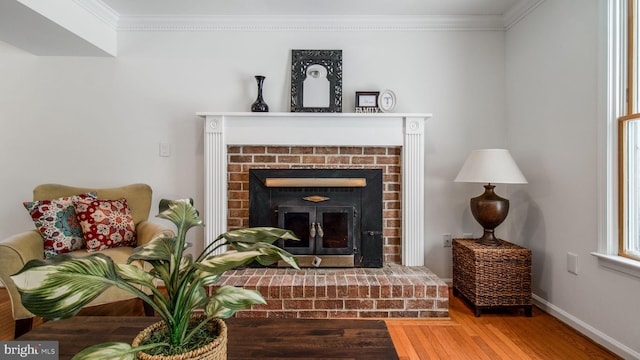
{"points": [[496, 334], [499, 334]]}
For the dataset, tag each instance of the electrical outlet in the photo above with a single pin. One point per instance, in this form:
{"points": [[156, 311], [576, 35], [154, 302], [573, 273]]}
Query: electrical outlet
{"points": [[572, 263], [446, 239]]}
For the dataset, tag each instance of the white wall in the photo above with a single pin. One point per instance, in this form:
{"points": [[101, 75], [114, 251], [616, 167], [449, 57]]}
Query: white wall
{"points": [[552, 115], [98, 121]]}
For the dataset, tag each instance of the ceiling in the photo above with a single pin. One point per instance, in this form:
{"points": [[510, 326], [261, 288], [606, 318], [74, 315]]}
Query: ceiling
{"points": [[91, 27], [310, 7]]}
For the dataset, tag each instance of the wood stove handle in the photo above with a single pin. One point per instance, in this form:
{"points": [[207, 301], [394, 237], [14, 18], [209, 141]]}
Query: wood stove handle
{"points": [[312, 231], [320, 231]]}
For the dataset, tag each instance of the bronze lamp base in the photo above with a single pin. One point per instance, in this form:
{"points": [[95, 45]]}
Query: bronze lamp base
{"points": [[489, 210]]}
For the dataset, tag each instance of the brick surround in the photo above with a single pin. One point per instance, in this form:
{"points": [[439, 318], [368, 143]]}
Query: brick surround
{"points": [[393, 291], [242, 158]]}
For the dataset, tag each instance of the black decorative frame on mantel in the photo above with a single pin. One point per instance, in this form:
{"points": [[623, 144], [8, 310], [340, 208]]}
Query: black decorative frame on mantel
{"points": [[302, 65]]}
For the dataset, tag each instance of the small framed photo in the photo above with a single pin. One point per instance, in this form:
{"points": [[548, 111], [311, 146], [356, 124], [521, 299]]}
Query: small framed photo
{"points": [[367, 99], [387, 100]]}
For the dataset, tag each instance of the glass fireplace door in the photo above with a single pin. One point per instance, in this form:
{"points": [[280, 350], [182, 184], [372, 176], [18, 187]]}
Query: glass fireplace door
{"points": [[337, 230], [322, 230], [297, 219]]}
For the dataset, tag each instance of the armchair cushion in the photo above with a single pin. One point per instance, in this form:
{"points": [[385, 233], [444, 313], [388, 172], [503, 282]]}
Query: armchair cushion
{"points": [[105, 223], [57, 223]]}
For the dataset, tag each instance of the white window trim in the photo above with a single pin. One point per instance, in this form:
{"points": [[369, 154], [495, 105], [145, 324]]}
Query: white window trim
{"points": [[610, 88], [619, 263]]}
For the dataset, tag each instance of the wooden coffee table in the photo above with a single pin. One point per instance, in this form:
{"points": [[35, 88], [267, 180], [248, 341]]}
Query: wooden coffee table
{"points": [[247, 338]]}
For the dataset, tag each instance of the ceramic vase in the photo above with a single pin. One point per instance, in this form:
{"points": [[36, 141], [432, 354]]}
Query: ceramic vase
{"points": [[259, 105]]}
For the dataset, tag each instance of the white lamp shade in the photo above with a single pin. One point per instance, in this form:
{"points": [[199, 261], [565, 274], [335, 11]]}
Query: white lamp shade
{"points": [[490, 166]]}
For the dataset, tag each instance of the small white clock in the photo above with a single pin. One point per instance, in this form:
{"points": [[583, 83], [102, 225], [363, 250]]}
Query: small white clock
{"points": [[386, 100]]}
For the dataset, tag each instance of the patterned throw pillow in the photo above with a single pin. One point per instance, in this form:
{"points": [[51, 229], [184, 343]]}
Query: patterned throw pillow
{"points": [[57, 223], [105, 223]]}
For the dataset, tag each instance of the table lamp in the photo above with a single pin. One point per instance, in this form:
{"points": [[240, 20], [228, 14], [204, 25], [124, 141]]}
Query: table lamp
{"points": [[490, 166]]}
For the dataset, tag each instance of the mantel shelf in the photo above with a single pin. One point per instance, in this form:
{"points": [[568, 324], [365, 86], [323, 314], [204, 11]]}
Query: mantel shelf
{"points": [[307, 129], [314, 114]]}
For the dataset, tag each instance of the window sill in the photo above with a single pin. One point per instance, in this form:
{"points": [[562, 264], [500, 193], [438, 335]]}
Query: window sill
{"points": [[619, 263]]}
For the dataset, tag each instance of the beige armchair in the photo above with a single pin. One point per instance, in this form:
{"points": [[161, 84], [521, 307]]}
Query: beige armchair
{"points": [[18, 249]]}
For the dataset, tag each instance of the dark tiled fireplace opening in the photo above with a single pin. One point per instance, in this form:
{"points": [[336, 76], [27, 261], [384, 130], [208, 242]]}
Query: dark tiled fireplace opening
{"points": [[336, 213]]}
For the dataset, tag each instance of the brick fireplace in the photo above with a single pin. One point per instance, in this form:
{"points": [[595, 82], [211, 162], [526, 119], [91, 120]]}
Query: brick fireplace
{"points": [[387, 159], [394, 143]]}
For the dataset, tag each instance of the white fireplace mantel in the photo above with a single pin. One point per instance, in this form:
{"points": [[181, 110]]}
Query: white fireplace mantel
{"points": [[319, 129]]}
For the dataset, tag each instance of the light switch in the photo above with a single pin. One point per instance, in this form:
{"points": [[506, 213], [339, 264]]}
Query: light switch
{"points": [[165, 149], [572, 263]]}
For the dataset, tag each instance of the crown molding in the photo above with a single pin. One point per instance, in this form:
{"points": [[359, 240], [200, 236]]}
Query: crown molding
{"points": [[519, 11], [286, 23], [101, 11], [310, 23]]}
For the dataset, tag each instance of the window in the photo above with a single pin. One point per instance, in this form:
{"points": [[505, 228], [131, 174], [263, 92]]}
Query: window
{"points": [[629, 135], [619, 139]]}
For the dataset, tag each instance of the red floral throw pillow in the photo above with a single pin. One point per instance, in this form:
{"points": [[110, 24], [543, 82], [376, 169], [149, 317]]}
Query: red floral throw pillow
{"points": [[105, 223], [57, 223]]}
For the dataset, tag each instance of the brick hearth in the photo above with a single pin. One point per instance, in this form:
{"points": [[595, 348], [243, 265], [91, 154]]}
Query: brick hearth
{"points": [[393, 291]]}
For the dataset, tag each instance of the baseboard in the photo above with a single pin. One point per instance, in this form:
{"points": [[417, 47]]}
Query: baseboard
{"points": [[586, 329]]}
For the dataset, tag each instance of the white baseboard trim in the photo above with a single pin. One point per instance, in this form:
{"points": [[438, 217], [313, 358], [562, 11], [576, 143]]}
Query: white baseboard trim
{"points": [[586, 329]]}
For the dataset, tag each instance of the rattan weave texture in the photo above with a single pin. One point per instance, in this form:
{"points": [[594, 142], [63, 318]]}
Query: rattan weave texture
{"points": [[215, 350], [492, 276]]}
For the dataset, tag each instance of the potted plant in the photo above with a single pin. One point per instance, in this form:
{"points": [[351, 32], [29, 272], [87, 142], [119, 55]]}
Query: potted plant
{"points": [[60, 287]]}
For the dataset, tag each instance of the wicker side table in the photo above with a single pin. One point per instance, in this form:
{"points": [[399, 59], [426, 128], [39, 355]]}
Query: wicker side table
{"points": [[492, 276]]}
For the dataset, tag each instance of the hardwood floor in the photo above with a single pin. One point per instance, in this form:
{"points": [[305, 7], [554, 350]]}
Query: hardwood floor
{"points": [[504, 334], [499, 334]]}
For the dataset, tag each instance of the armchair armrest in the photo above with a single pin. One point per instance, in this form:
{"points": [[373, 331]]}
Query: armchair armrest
{"points": [[147, 230], [16, 251]]}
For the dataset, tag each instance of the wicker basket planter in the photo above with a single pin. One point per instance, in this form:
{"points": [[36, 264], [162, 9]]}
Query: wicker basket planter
{"points": [[215, 350], [492, 276]]}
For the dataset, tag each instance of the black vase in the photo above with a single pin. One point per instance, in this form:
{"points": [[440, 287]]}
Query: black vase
{"points": [[259, 105]]}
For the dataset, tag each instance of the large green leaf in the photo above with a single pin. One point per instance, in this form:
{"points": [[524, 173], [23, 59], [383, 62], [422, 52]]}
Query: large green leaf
{"points": [[272, 254], [205, 278], [218, 264], [238, 298], [159, 248], [112, 351], [198, 298], [215, 310], [229, 299], [134, 274], [60, 287], [250, 244], [243, 238], [180, 212], [107, 351], [186, 262]]}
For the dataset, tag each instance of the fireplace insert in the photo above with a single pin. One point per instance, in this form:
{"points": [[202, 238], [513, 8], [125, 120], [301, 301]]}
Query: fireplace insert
{"points": [[336, 213]]}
